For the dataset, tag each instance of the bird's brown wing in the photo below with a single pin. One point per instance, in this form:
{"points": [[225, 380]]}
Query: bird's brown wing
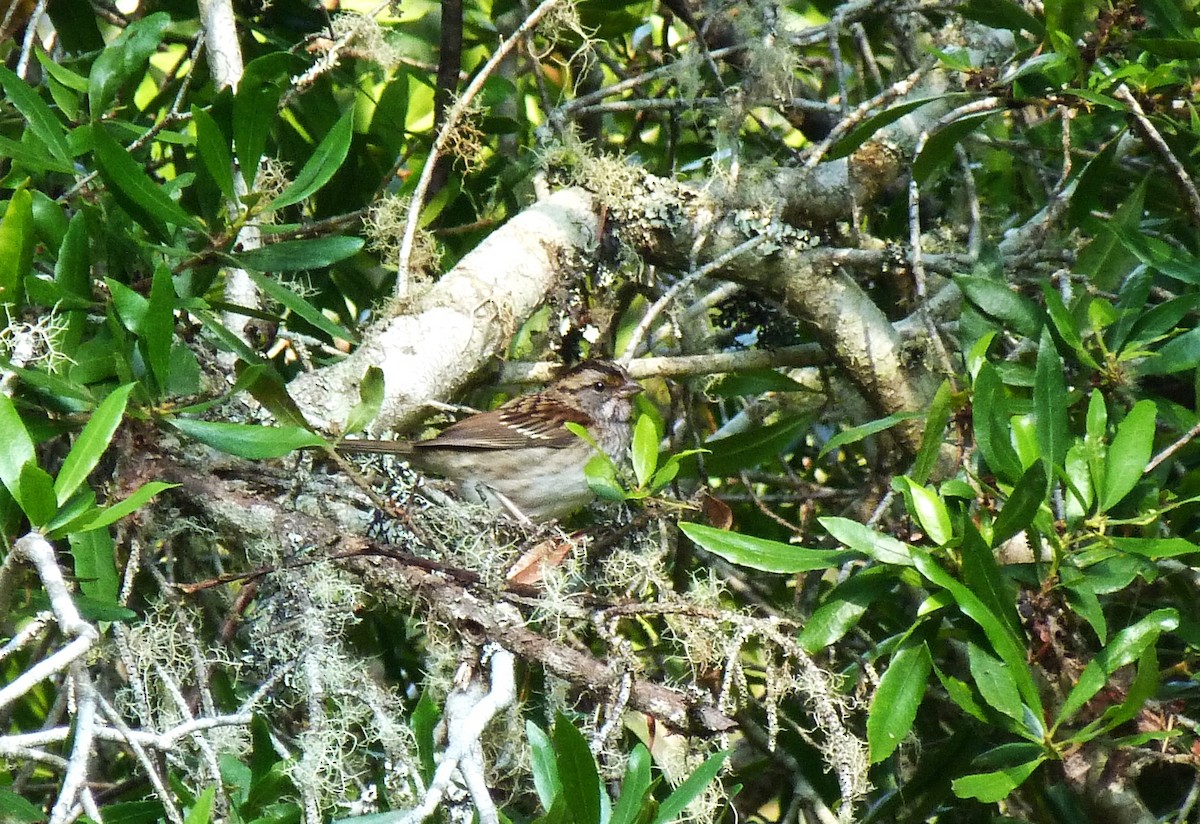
{"points": [[506, 428]]}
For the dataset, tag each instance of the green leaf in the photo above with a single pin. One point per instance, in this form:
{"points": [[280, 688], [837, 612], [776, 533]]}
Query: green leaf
{"points": [[752, 382], [1026, 498], [995, 299], [16, 447], [1003, 14], [201, 811], [16, 247], [544, 765], [80, 507], [16, 810], [844, 607], [37, 494], [144, 200], [1050, 404], [645, 449], [939, 149], [634, 787], [857, 433], [213, 147], [894, 705], [91, 444], [33, 157], [93, 609], [993, 787], [255, 107], [601, 474], [131, 307], [1156, 548], [370, 400], [743, 450], [935, 434], [761, 554], [1160, 320], [423, 722], [95, 565], [1092, 182], [989, 413], [577, 771], [994, 682], [1064, 325], [42, 122], [998, 632], [690, 789], [248, 440], [928, 509], [881, 548], [1179, 354], [985, 579], [1125, 648], [158, 327], [1143, 689], [72, 275], [114, 513], [865, 130], [299, 305], [296, 255], [1129, 453], [324, 162], [127, 54]]}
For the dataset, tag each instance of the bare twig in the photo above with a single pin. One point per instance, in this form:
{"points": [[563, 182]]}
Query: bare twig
{"points": [[1152, 136], [460, 108]]}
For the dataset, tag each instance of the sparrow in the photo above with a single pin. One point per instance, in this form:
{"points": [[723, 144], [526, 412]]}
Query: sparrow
{"points": [[520, 458]]}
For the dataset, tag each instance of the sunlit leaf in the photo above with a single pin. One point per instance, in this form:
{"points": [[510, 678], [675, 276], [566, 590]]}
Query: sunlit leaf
{"points": [[762, 554], [899, 694]]}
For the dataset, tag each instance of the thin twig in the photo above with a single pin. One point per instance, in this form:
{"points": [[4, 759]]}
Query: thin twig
{"points": [[1172, 449], [635, 339], [456, 114], [1152, 136]]}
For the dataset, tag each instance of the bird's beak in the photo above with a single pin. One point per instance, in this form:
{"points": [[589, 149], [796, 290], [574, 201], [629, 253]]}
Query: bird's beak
{"points": [[629, 388]]}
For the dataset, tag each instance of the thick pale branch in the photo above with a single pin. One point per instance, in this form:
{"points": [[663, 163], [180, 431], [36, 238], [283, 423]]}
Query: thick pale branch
{"points": [[465, 320]]}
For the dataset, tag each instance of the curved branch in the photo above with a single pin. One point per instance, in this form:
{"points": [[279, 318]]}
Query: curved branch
{"points": [[462, 322]]}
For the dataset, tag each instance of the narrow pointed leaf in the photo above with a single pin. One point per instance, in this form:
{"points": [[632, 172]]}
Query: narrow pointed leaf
{"points": [[247, 440], [1027, 496], [326, 159], [761, 554], [1125, 648], [1129, 453], [1050, 403], [690, 789], [300, 306], [861, 538], [634, 787], [144, 200], [91, 444], [928, 508], [544, 765], [95, 564], [645, 449], [894, 705], [213, 148], [140, 497], [16, 447], [46, 127], [16, 247], [577, 771], [158, 327]]}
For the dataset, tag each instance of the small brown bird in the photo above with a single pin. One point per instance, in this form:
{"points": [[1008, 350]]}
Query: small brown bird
{"points": [[520, 457]]}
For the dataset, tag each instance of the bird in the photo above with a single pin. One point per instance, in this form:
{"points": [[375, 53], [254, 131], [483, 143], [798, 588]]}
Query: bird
{"points": [[520, 458]]}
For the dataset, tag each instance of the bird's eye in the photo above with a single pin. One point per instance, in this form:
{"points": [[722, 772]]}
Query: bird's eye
{"points": [[599, 386]]}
